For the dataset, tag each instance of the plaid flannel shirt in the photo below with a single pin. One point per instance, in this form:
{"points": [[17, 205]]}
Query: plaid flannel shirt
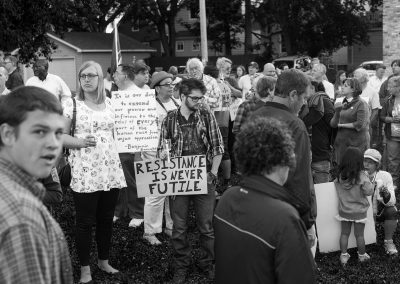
{"points": [[213, 96], [244, 111], [33, 247], [206, 125]]}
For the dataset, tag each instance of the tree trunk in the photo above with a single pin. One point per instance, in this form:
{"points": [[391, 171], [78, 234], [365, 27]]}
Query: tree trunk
{"points": [[248, 45]]}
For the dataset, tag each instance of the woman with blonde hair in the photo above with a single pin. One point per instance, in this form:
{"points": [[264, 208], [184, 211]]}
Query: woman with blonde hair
{"points": [[95, 166]]}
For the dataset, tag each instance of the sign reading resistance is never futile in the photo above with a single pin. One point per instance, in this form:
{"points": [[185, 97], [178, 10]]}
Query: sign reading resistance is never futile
{"points": [[181, 176]]}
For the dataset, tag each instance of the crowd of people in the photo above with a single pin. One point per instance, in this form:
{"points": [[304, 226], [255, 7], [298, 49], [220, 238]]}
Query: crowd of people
{"points": [[280, 131]]}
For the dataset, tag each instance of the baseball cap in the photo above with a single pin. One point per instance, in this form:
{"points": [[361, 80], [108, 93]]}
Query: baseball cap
{"points": [[157, 78], [373, 154], [253, 64]]}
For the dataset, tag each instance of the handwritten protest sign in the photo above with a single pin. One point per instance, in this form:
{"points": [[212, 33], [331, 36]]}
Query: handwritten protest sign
{"points": [[135, 121], [181, 176], [329, 228]]}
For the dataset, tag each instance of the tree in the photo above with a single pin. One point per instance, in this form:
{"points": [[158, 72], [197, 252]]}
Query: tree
{"points": [[94, 15], [225, 22], [247, 28], [161, 16], [24, 25], [314, 26]]}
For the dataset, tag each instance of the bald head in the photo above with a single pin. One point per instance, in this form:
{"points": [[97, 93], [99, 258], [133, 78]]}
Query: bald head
{"points": [[269, 70]]}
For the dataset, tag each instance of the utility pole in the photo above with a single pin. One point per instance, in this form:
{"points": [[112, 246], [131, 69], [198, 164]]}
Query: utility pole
{"points": [[203, 32]]}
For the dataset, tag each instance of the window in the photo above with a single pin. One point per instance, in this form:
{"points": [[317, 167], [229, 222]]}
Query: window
{"points": [[180, 46], [194, 13], [196, 45]]}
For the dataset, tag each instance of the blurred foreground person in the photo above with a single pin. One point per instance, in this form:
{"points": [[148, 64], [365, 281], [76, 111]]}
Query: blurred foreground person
{"points": [[259, 235], [33, 248]]}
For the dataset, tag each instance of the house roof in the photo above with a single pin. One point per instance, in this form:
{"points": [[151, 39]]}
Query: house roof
{"points": [[99, 42]]}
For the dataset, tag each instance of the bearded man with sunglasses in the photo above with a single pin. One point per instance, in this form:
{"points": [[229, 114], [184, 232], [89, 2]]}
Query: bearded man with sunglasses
{"points": [[193, 130]]}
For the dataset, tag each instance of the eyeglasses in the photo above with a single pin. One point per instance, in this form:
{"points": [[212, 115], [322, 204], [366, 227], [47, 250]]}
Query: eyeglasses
{"points": [[88, 76], [168, 85], [196, 99]]}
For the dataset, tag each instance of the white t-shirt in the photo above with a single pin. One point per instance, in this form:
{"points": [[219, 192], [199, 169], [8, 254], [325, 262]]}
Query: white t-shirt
{"points": [[53, 84], [376, 83], [372, 97]]}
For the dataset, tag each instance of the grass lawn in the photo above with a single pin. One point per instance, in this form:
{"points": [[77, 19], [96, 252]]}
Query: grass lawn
{"points": [[142, 263]]}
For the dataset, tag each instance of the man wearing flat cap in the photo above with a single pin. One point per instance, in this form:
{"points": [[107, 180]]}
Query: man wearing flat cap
{"points": [[154, 205]]}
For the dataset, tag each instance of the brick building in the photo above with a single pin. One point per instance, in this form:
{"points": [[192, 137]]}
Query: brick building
{"points": [[391, 31]]}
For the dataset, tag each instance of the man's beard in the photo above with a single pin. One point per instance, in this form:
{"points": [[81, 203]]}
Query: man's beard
{"points": [[42, 76], [191, 108]]}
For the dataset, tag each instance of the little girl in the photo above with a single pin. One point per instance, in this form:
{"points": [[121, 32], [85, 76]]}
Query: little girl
{"points": [[353, 186]]}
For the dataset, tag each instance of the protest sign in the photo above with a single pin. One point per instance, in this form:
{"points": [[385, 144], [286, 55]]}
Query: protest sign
{"points": [[135, 121], [329, 228], [181, 176]]}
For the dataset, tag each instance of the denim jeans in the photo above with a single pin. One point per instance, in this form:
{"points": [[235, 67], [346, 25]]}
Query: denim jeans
{"points": [[321, 171], [95, 208], [204, 210], [128, 201], [393, 159]]}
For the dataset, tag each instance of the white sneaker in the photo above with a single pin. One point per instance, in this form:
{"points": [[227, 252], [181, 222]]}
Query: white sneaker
{"points": [[152, 239], [389, 246], [134, 223], [344, 258], [363, 257], [115, 219]]}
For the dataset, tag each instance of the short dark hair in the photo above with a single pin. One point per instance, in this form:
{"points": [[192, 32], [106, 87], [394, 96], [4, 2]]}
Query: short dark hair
{"points": [[128, 70], [140, 67], [396, 61], [290, 80], [15, 106], [187, 85], [262, 144], [264, 85], [351, 164]]}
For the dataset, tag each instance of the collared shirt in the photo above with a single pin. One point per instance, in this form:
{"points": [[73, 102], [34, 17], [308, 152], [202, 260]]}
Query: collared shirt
{"points": [[53, 84], [213, 94], [206, 126], [376, 83], [33, 247], [244, 111]]}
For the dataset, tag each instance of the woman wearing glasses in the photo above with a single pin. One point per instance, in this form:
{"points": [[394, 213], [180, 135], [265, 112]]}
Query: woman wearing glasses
{"points": [[95, 166], [352, 120]]}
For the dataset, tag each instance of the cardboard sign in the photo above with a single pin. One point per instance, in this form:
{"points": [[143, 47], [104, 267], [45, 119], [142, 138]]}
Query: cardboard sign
{"points": [[329, 228], [135, 121], [181, 176]]}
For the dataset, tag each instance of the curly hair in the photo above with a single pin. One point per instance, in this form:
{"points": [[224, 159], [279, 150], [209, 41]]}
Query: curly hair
{"points": [[262, 144]]}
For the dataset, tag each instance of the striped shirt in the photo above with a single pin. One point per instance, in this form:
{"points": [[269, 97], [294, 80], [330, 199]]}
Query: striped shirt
{"points": [[33, 248]]}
